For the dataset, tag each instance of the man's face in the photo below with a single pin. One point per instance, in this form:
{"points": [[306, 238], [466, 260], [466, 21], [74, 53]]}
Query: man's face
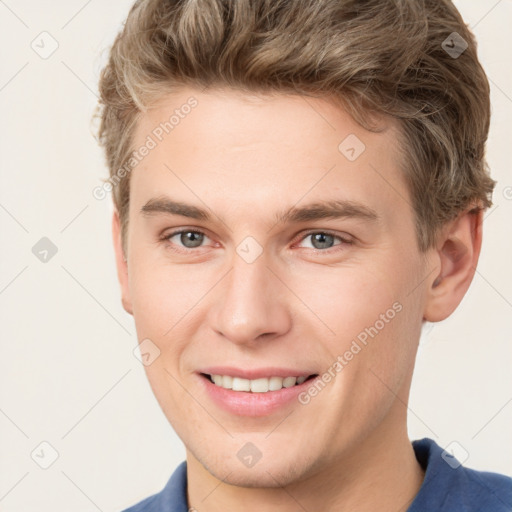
{"points": [[255, 288]]}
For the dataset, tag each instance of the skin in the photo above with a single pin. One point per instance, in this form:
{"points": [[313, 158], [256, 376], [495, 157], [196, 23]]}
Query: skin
{"points": [[247, 158]]}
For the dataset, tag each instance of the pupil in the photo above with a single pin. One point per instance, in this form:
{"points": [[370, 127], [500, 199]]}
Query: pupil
{"points": [[319, 240]]}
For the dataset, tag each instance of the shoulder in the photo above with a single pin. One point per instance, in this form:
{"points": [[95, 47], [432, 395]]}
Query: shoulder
{"points": [[449, 486], [146, 505], [488, 490], [172, 498]]}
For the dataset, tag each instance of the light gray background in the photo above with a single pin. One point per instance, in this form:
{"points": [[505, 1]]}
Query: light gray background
{"points": [[68, 375]]}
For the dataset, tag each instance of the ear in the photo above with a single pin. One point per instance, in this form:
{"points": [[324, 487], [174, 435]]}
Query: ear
{"points": [[457, 251], [121, 263]]}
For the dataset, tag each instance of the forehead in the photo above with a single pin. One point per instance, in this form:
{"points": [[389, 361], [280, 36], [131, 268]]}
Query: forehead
{"points": [[231, 119], [230, 149]]}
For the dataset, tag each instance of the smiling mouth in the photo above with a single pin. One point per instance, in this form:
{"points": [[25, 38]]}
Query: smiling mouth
{"points": [[262, 385]]}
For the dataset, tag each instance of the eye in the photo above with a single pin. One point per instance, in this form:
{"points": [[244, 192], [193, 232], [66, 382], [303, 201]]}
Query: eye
{"points": [[321, 240], [188, 238]]}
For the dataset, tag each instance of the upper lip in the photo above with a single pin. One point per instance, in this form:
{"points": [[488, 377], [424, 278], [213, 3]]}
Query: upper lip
{"points": [[255, 373]]}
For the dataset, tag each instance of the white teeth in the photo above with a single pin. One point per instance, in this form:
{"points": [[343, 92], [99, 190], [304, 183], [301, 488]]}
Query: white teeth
{"points": [[227, 381], [261, 385], [288, 382], [275, 383], [241, 384]]}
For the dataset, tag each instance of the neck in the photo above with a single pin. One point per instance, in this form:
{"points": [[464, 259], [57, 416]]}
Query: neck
{"points": [[380, 473]]}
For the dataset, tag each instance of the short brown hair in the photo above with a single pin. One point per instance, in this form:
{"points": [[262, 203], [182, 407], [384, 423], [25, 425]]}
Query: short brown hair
{"points": [[389, 57]]}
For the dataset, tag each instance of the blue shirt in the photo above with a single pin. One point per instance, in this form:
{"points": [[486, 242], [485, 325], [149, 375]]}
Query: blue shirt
{"points": [[447, 487]]}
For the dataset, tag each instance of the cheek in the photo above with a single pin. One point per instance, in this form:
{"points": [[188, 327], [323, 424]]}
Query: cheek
{"points": [[162, 294], [167, 309], [370, 319], [347, 299], [161, 298]]}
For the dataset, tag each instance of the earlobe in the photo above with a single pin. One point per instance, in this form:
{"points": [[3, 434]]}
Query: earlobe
{"points": [[458, 251], [121, 263]]}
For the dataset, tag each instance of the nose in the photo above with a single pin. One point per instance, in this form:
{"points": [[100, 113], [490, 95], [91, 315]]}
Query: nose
{"points": [[251, 303]]}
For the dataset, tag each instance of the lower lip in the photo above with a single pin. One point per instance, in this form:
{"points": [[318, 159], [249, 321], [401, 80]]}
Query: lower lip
{"points": [[245, 403]]}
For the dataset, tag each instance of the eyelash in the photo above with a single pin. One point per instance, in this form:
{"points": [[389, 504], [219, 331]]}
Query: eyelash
{"points": [[186, 250]]}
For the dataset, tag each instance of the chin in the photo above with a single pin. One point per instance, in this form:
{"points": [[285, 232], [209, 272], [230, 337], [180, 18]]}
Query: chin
{"points": [[271, 473], [255, 477]]}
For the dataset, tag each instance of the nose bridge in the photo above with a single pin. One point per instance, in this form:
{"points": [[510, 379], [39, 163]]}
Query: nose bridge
{"points": [[249, 302]]}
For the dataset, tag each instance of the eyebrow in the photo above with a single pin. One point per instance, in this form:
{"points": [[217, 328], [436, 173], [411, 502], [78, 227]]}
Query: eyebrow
{"points": [[333, 209]]}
